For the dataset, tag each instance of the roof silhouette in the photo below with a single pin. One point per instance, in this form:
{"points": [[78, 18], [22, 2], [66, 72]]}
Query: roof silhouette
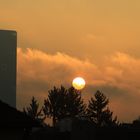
{"points": [[11, 117]]}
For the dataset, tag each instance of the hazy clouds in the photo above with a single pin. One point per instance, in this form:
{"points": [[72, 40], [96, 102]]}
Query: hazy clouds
{"points": [[117, 76], [98, 40]]}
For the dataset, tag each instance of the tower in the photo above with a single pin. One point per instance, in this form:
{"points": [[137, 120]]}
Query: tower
{"points": [[8, 47]]}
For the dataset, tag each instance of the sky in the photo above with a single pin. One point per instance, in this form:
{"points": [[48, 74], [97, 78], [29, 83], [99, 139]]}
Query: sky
{"points": [[59, 40]]}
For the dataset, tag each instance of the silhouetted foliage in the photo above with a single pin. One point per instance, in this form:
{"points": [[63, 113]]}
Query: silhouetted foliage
{"points": [[63, 103], [54, 105], [74, 104], [98, 111], [34, 112], [136, 122]]}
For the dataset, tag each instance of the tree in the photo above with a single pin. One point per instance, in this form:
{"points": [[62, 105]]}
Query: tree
{"points": [[136, 122], [62, 102], [98, 111], [34, 112], [54, 105], [74, 104]]}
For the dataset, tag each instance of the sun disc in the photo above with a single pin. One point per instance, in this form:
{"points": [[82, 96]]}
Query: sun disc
{"points": [[78, 83]]}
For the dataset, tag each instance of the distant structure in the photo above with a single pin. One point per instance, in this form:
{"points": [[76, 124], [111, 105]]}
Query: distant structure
{"points": [[8, 47]]}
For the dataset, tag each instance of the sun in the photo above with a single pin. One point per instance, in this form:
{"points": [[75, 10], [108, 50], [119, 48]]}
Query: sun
{"points": [[78, 83]]}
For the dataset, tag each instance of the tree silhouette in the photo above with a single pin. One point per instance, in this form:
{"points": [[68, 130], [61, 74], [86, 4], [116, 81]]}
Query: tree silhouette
{"points": [[54, 105], [136, 122], [62, 102], [98, 111], [74, 104], [34, 112]]}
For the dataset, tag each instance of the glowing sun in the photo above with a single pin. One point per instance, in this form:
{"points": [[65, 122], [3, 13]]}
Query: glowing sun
{"points": [[78, 83]]}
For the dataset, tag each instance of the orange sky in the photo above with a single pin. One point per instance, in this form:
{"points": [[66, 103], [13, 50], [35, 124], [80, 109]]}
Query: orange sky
{"points": [[96, 39]]}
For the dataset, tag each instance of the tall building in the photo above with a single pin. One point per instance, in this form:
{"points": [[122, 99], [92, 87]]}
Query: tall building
{"points": [[8, 47]]}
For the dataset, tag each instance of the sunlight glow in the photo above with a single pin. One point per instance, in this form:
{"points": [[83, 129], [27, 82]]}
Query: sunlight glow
{"points": [[78, 83]]}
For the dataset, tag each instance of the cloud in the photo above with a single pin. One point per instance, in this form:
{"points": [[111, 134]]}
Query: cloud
{"points": [[39, 71], [117, 76]]}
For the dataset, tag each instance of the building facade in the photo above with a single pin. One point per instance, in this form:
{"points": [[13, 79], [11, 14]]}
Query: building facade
{"points": [[8, 49]]}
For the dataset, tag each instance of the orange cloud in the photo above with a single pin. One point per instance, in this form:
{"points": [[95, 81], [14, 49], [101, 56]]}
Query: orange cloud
{"points": [[117, 76]]}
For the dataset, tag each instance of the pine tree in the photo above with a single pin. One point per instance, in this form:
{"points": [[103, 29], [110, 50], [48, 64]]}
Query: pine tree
{"points": [[98, 111], [75, 104], [34, 112], [54, 105], [62, 103]]}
